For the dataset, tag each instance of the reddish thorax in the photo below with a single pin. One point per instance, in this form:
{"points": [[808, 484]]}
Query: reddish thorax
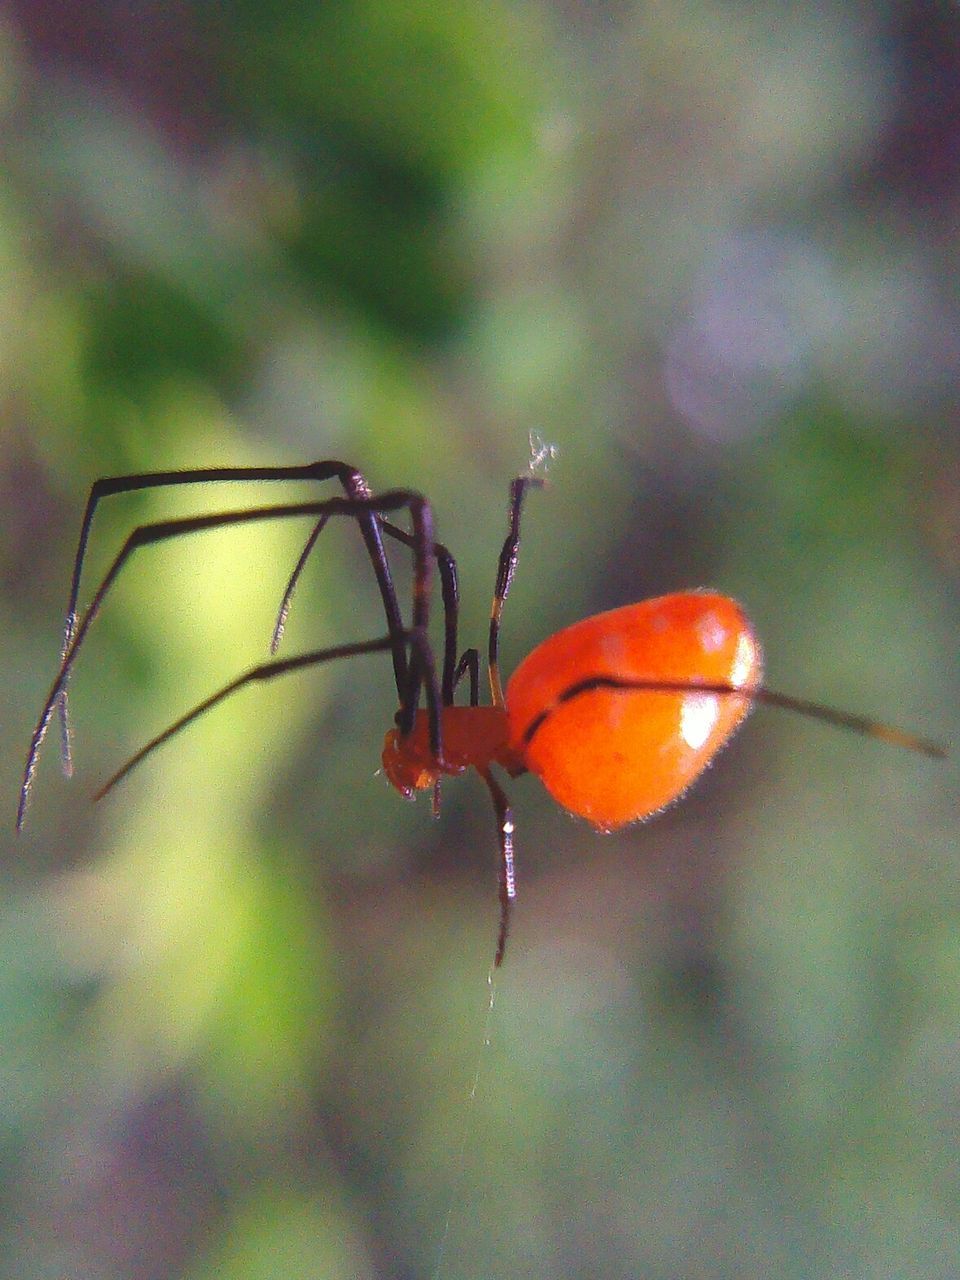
{"points": [[473, 737]]}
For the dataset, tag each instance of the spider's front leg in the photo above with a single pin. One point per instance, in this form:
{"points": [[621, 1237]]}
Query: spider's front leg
{"points": [[420, 670], [354, 487]]}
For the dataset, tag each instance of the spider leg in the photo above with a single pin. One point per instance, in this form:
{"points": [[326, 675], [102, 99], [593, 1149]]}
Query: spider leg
{"points": [[264, 671], [287, 600], [420, 670], [506, 876], [354, 485], [450, 594], [505, 572], [469, 662], [862, 725]]}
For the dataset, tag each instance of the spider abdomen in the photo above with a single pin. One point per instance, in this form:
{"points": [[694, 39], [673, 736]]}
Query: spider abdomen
{"points": [[587, 716]]}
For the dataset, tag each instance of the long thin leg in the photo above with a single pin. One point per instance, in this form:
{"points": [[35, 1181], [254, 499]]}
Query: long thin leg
{"points": [[505, 572], [354, 485], [469, 662], [422, 670], [264, 671], [862, 725], [421, 667], [450, 595], [449, 587], [284, 610], [506, 875]]}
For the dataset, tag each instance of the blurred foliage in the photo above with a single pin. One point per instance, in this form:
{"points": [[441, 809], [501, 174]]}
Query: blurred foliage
{"points": [[710, 251]]}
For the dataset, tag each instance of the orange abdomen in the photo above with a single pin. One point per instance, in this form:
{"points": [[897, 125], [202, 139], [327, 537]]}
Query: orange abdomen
{"points": [[616, 755]]}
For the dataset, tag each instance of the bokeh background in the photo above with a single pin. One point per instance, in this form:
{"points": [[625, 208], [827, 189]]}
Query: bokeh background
{"points": [[708, 249]]}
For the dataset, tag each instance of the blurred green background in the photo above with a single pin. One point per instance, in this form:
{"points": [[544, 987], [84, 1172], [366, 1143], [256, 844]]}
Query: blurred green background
{"points": [[710, 251]]}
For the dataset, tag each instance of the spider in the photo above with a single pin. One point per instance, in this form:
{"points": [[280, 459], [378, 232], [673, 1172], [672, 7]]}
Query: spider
{"points": [[617, 715]]}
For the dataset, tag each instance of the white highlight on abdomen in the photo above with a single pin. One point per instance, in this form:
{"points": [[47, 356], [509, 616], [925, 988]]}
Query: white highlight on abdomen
{"points": [[699, 713]]}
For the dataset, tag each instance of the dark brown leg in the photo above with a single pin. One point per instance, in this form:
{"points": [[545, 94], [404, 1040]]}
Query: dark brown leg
{"points": [[265, 671], [862, 725], [505, 572], [353, 484], [420, 670], [506, 877], [469, 662]]}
